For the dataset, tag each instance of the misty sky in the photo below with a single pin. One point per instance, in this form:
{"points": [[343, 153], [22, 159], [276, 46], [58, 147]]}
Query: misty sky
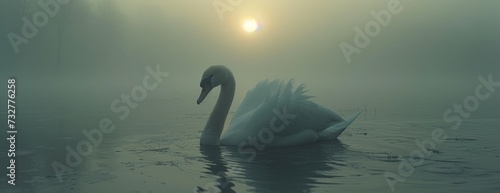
{"points": [[429, 56]]}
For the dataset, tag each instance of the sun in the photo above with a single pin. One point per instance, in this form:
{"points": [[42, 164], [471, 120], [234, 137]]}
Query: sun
{"points": [[250, 25]]}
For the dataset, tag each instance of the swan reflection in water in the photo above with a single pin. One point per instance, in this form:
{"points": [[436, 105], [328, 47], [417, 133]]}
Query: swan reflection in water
{"points": [[290, 169]]}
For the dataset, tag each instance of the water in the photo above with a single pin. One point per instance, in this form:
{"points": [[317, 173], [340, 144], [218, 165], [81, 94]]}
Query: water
{"points": [[155, 149]]}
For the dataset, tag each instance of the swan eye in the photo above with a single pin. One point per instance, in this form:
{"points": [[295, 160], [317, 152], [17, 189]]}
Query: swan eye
{"points": [[206, 81]]}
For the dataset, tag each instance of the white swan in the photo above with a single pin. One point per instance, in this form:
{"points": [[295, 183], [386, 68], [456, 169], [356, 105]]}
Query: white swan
{"points": [[272, 114]]}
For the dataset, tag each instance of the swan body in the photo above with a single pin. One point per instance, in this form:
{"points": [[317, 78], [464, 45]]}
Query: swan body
{"points": [[274, 114]]}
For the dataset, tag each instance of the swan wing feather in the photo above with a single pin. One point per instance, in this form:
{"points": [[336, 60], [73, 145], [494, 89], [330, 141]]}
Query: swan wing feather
{"points": [[277, 103]]}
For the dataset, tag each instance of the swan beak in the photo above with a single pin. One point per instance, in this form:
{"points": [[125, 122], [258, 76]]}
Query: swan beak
{"points": [[206, 88]]}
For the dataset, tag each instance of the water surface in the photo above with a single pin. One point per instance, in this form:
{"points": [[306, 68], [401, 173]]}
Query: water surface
{"points": [[160, 153]]}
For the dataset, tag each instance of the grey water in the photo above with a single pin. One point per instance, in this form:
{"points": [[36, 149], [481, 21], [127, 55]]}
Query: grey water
{"points": [[160, 152]]}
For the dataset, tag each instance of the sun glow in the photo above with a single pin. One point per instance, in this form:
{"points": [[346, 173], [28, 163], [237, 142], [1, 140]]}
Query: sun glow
{"points": [[250, 25]]}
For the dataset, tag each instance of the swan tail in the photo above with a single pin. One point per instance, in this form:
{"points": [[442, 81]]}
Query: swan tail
{"points": [[335, 130]]}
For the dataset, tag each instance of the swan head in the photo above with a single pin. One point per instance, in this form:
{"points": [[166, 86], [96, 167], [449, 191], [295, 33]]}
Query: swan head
{"points": [[212, 77]]}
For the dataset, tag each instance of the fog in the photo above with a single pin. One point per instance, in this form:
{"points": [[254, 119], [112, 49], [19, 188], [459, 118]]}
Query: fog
{"points": [[427, 58], [405, 62]]}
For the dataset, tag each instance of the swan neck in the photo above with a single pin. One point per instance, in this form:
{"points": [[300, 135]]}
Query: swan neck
{"points": [[215, 124]]}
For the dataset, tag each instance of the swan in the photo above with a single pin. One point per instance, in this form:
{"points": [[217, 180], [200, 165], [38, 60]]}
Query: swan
{"points": [[273, 114]]}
